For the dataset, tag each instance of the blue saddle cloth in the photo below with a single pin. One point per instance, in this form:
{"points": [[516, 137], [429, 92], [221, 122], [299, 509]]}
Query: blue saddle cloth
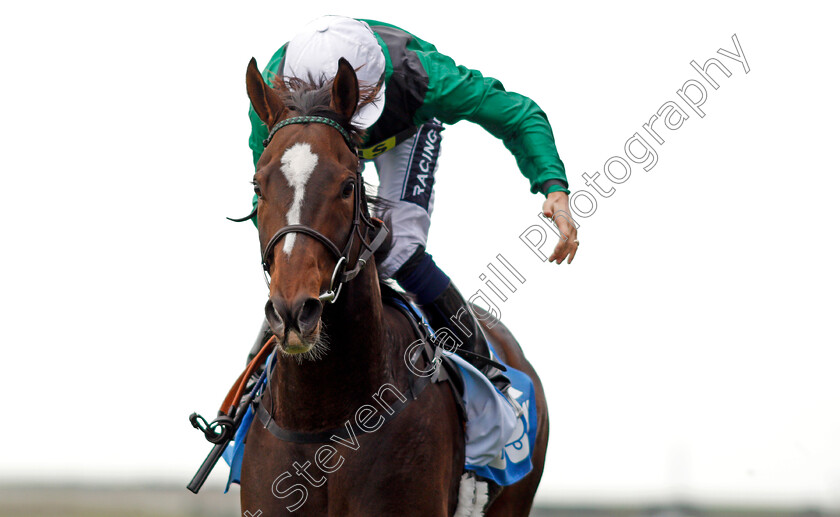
{"points": [[511, 464], [236, 449], [514, 460]]}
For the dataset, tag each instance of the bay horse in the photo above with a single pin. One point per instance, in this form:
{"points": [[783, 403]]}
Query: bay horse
{"points": [[334, 358]]}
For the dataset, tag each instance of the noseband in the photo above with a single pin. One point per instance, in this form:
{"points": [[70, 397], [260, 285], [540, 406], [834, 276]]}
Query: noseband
{"points": [[340, 273]]}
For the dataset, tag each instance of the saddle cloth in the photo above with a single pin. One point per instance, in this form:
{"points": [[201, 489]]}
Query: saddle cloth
{"points": [[499, 436], [510, 461]]}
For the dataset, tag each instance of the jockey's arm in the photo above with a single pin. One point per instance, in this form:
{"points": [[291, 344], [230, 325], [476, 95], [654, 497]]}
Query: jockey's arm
{"points": [[458, 93]]}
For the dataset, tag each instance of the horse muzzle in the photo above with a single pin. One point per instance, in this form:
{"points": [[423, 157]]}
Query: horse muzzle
{"points": [[296, 325]]}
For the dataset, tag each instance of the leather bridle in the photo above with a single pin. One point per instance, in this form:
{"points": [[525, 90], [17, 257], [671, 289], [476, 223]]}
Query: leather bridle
{"points": [[360, 218]]}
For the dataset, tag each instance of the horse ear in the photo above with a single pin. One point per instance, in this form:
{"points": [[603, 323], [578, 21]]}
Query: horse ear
{"points": [[266, 102], [345, 90]]}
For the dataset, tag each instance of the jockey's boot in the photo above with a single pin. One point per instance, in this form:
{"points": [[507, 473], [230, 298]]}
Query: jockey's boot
{"points": [[451, 311]]}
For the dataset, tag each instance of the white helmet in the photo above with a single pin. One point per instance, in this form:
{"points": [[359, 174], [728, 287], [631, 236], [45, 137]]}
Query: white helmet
{"points": [[316, 49]]}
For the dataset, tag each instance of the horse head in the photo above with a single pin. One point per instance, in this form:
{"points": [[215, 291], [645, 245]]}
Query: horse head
{"points": [[311, 212]]}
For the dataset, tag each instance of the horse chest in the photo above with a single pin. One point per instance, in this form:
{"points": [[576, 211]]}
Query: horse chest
{"points": [[398, 470]]}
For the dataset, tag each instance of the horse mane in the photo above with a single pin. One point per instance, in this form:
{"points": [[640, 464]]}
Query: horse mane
{"points": [[311, 97]]}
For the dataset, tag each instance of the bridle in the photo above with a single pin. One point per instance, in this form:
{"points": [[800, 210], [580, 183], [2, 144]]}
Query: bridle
{"points": [[340, 273]]}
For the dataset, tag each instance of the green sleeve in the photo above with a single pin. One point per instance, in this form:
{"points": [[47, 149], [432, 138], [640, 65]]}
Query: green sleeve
{"points": [[259, 131], [457, 93]]}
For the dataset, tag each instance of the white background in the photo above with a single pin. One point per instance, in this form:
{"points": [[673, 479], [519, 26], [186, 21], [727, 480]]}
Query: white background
{"points": [[691, 350]]}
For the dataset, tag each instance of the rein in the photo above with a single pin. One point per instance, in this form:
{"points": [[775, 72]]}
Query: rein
{"points": [[340, 274], [430, 355], [221, 430]]}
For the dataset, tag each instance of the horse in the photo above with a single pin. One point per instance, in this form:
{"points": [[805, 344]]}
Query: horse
{"points": [[338, 346]]}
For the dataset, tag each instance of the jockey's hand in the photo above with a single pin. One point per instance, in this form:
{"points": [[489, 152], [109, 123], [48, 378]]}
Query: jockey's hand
{"points": [[556, 207]]}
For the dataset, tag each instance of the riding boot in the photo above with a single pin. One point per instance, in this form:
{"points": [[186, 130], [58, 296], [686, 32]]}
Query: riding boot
{"points": [[450, 310]]}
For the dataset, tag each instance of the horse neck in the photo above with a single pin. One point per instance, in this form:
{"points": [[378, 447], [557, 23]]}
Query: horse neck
{"points": [[322, 393]]}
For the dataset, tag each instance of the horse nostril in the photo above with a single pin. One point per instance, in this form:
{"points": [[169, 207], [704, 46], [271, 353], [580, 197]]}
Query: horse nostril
{"points": [[275, 311], [308, 315]]}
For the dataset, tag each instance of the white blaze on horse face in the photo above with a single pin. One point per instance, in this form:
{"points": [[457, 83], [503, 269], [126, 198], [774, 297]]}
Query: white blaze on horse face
{"points": [[297, 165]]}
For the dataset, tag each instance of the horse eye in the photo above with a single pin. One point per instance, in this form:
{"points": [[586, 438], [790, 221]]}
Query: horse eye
{"points": [[347, 190], [257, 189]]}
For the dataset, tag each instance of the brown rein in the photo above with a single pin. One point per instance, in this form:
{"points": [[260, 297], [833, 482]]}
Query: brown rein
{"points": [[238, 389]]}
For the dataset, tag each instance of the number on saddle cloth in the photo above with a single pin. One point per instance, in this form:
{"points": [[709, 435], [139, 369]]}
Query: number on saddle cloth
{"points": [[499, 436]]}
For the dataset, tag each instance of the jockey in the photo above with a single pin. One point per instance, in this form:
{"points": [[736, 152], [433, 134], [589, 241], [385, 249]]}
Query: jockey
{"points": [[422, 89]]}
